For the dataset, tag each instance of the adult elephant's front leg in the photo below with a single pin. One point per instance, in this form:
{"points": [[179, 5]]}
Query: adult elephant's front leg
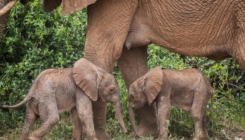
{"points": [[108, 25], [133, 64]]}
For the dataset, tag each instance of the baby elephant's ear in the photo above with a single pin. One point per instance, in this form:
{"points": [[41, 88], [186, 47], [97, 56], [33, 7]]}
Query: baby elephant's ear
{"points": [[85, 75], [153, 84]]}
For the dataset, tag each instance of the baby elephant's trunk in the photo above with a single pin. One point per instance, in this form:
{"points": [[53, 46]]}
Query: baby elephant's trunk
{"points": [[132, 120], [118, 111]]}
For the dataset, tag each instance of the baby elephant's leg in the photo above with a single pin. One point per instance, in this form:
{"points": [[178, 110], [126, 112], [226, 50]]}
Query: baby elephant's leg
{"points": [[49, 116], [85, 113], [198, 111], [163, 112], [30, 119], [77, 126]]}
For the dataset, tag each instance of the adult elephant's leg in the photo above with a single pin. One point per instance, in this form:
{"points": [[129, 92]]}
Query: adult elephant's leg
{"points": [[133, 64], [108, 25], [238, 50]]}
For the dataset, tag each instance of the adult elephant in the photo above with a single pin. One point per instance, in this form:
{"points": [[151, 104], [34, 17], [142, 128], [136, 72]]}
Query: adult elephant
{"points": [[210, 28], [5, 6]]}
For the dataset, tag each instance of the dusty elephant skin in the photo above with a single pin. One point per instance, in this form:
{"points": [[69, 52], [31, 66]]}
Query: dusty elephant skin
{"points": [[5, 6], [57, 90], [210, 28], [187, 89]]}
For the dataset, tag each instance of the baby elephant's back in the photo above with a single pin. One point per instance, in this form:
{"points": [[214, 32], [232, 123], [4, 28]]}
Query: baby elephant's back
{"points": [[189, 78], [55, 83], [199, 78], [57, 78]]}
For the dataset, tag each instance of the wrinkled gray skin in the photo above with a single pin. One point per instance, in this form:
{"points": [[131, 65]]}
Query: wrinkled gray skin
{"points": [[57, 90], [187, 89]]}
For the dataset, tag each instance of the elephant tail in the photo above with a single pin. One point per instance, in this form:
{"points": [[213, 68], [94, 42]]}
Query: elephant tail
{"points": [[27, 98], [19, 104]]}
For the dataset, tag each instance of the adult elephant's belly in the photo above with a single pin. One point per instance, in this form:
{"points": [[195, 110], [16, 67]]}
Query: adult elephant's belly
{"points": [[194, 29], [206, 29], [197, 39]]}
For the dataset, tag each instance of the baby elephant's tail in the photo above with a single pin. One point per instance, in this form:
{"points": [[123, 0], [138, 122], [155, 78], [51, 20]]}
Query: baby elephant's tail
{"points": [[19, 104], [28, 97]]}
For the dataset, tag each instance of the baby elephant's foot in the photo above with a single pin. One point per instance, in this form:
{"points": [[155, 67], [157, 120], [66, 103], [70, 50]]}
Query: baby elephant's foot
{"points": [[162, 137], [102, 135], [200, 138], [94, 138], [34, 138], [144, 131], [242, 135], [90, 138]]}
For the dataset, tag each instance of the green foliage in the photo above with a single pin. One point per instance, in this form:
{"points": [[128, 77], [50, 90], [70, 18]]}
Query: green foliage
{"points": [[163, 58]]}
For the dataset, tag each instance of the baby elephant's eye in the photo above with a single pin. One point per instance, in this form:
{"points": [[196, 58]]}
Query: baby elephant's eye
{"points": [[131, 97], [112, 89]]}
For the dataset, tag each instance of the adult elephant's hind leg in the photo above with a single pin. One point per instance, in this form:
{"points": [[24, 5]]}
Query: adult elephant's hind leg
{"points": [[133, 64], [238, 50]]}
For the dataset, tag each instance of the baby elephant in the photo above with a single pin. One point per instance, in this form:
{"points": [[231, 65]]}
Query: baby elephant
{"points": [[188, 89], [57, 90]]}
